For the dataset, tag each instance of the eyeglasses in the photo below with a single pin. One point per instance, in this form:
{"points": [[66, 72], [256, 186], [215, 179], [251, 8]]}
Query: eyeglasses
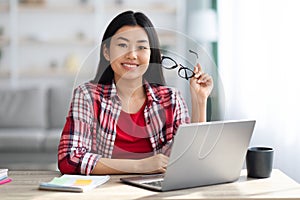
{"points": [[183, 72]]}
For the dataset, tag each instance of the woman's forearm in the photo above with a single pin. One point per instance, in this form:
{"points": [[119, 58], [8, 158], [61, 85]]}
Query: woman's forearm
{"points": [[153, 164], [201, 85], [199, 111], [116, 166]]}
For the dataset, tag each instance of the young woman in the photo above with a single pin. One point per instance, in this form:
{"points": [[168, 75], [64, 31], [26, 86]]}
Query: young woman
{"points": [[125, 119]]}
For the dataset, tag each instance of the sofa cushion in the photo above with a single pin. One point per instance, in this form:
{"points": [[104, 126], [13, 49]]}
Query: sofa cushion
{"points": [[51, 141], [23, 108], [59, 102], [21, 140]]}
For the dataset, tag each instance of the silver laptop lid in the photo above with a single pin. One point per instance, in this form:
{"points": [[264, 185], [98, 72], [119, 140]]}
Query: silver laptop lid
{"points": [[208, 153]]}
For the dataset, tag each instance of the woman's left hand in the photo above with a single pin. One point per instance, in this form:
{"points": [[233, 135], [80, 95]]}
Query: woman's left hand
{"points": [[201, 84]]}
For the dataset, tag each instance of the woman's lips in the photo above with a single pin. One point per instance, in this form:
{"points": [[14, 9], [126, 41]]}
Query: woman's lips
{"points": [[130, 65]]}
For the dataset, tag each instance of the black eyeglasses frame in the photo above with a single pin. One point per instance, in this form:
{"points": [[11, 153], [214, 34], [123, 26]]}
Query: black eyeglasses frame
{"points": [[181, 67]]}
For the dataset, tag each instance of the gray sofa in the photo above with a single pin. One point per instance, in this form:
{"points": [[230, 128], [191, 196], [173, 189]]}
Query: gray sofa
{"points": [[31, 121]]}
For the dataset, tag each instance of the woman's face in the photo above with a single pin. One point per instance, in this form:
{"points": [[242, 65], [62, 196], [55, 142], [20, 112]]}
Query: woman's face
{"points": [[129, 53]]}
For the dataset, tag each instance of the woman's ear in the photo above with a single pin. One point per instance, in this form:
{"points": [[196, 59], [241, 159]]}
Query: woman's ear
{"points": [[106, 52]]}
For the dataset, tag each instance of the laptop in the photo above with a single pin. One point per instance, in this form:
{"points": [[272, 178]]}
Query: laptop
{"points": [[202, 154]]}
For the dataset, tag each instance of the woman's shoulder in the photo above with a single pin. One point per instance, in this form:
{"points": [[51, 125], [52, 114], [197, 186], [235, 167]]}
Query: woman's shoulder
{"points": [[163, 88], [85, 87], [90, 88], [163, 91]]}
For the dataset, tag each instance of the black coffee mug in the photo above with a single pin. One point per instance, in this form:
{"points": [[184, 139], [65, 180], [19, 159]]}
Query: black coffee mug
{"points": [[259, 162]]}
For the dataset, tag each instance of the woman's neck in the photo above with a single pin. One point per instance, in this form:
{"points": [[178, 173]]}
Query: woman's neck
{"points": [[131, 94], [126, 93]]}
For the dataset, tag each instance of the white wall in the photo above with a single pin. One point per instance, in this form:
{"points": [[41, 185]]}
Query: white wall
{"points": [[260, 65]]}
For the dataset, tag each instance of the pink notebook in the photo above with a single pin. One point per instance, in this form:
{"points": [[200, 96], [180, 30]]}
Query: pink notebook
{"points": [[7, 180]]}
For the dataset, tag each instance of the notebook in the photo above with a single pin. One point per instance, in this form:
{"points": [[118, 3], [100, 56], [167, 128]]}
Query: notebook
{"points": [[74, 183], [202, 154]]}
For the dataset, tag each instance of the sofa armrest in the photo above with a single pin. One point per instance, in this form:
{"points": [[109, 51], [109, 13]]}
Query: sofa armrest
{"points": [[23, 108], [21, 140]]}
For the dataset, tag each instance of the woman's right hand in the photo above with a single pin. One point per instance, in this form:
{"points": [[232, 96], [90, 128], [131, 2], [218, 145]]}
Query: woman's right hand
{"points": [[154, 164], [150, 165]]}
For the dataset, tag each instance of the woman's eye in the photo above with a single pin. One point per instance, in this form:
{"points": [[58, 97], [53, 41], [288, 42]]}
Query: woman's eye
{"points": [[122, 45], [142, 47]]}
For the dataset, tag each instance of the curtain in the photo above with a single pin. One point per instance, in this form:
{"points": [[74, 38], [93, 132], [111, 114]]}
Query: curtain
{"points": [[259, 64]]}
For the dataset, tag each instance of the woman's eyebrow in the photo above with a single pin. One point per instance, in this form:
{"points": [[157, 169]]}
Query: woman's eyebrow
{"points": [[142, 41], [122, 38], [127, 40]]}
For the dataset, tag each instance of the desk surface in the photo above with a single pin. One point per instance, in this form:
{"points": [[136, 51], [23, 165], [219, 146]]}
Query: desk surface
{"points": [[278, 186]]}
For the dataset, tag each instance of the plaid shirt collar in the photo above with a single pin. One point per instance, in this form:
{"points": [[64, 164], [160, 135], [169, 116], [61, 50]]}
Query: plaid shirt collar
{"points": [[151, 93]]}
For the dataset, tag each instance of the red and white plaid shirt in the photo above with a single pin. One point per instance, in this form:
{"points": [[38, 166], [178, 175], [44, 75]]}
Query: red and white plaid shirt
{"points": [[90, 129]]}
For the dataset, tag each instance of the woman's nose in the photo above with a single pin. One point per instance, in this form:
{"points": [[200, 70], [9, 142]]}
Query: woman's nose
{"points": [[132, 54]]}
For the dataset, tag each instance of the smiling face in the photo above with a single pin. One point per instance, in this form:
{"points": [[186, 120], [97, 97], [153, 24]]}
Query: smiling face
{"points": [[129, 53]]}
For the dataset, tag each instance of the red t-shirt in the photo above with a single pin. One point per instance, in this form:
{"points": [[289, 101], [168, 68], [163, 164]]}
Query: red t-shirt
{"points": [[132, 140]]}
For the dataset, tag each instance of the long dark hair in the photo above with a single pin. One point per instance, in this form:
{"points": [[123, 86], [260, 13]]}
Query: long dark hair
{"points": [[154, 72]]}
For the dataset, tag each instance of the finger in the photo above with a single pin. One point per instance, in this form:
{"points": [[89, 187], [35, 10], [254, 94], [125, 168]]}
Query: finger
{"points": [[165, 161], [162, 170], [196, 70], [199, 67], [164, 166], [199, 77], [207, 81], [198, 74], [207, 78], [204, 77]]}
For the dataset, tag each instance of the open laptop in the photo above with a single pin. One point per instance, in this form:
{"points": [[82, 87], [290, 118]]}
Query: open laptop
{"points": [[202, 154]]}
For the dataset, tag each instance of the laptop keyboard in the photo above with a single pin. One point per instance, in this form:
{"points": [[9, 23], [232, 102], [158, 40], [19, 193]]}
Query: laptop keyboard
{"points": [[157, 183]]}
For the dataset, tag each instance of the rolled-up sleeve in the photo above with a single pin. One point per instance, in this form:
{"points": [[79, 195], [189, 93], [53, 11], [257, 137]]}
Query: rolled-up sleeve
{"points": [[181, 114], [75, 148]]}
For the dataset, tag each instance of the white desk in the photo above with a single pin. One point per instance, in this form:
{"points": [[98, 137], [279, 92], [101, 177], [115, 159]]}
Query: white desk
{"points": [[278, 186]]}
